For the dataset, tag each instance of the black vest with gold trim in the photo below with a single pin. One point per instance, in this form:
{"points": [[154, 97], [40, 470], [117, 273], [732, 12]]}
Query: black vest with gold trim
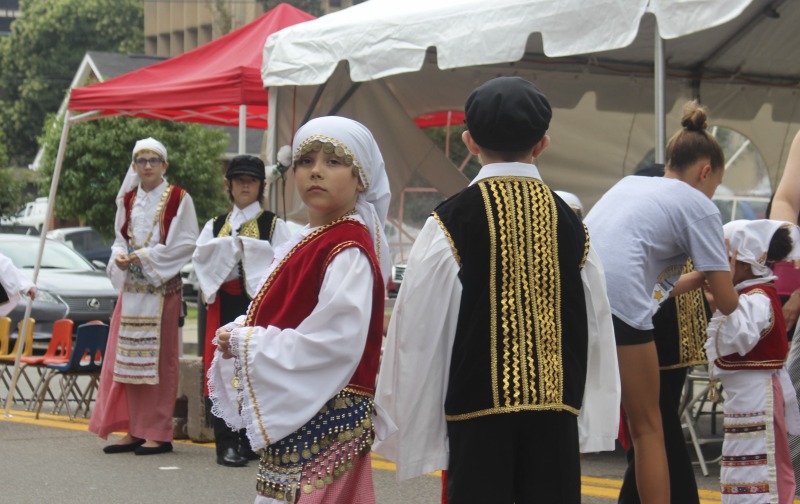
{"points": [[521, 338], [260, 227]]}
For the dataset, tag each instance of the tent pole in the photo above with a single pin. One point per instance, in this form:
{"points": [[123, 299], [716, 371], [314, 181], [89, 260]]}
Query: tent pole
{"points": [[38, 264], [271, 149], [242, 129], [660, 109]]}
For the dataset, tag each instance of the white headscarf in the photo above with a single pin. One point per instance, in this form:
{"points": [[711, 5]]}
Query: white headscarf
{"points": [[131, 180], [356, 142], [750, 240]]}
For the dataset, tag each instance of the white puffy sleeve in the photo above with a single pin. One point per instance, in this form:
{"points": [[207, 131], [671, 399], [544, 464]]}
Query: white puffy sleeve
{"points": [[213, 260], [739, 332], [289, 374], [413, 379], [162, 262], [598, 422]]}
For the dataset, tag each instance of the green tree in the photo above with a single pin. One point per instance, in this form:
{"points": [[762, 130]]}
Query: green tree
{"points": [[313, 7], [98, 155], [39, 59], [14, 184]]}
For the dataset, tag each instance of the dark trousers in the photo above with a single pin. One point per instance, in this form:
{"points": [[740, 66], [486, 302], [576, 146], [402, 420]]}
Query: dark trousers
{"points": [[522, 458], [231, 306], [682, 483]]}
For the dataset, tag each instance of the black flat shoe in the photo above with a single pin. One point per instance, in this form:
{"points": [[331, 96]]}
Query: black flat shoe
{"points": [[248, 453], [123, 448], [230, 458], [154, 450]]}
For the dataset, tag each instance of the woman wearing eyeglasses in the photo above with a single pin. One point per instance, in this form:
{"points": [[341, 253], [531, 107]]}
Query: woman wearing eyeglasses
{"points": [[156, 230]]}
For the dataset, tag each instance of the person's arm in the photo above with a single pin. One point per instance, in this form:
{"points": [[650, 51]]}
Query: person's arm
{"points": [[289, 374], [213, 260], [161, 262], [413, 378], [688, 282], [786, 203]]}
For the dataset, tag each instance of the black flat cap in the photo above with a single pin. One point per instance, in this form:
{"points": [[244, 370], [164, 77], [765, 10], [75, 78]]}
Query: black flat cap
{"points": [[507, 114], [245, 164]]}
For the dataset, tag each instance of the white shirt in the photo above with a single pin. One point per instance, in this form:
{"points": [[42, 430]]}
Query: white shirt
{"points": [[14, 282], [291, 373], [160, 262], [216, 259], [413, 379], [644, 229]]}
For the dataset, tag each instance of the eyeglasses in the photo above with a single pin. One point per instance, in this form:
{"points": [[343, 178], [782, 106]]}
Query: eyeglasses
{"points": [[154, 162]]}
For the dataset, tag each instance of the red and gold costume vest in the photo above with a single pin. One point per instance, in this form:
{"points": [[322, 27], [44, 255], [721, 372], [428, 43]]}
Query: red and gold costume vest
{"points": [[292, 291], [771, 350], [168, 213]]}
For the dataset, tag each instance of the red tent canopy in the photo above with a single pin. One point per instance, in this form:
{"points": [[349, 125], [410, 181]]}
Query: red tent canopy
{"points": [[206, 85]]}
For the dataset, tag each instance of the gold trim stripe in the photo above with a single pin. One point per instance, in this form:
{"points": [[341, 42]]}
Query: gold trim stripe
{"points": [[513, 409]]}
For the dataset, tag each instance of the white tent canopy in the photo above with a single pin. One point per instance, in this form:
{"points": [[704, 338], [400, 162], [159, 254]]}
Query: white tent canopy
{"points": [[385, 62]]}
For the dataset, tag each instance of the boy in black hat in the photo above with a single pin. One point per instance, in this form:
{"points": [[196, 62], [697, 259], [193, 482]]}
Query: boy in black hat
{"points": [[233, 253], [501, 334]]}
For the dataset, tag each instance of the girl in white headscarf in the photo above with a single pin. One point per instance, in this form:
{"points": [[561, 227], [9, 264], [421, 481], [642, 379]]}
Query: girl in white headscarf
{"points": [[748, 349], [298, 371]]}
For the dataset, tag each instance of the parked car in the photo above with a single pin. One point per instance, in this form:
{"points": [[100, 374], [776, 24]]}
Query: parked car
{"points": [[23, 229], [85, 241], [69, 286], [32, 214]]}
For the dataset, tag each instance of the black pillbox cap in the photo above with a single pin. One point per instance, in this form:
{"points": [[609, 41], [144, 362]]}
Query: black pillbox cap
{"points": [[245, 164], [507, 114]]}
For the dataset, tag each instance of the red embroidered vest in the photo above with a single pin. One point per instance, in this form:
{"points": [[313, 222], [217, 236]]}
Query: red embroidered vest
{"points": [[770, 352], [168, 213], [292, 291]]}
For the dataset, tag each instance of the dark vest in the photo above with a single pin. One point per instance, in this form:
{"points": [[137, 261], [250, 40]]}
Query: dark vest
{"points": [[521, 337], [261, 227], [680, 326], [771, 351]]}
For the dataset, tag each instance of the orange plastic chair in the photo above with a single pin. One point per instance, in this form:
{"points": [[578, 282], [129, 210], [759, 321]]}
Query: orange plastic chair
{"points": [[58, 351]]}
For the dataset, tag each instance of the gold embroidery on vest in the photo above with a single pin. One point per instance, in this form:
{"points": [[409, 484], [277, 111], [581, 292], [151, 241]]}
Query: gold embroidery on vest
{"points": [[248, 228], [529, 293], [449, 238], [492, 296]]}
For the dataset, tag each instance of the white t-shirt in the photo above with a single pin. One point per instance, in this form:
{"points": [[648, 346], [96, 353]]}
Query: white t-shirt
{"points": [[644, 229]]}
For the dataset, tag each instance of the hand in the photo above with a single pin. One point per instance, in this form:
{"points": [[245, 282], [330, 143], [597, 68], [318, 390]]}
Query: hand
{"points": [[134, 259], [224, 343], [32, 292], [791, 310], [122, 261]]}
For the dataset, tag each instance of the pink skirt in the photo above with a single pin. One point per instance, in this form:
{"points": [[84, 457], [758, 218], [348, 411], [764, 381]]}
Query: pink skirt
{"points": [[143, 411]]}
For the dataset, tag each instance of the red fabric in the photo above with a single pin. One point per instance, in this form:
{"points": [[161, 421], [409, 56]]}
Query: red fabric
{"points": [[771, 351], [144, 411], [440, 119], [353, 487], [292, 291], [167, 215], [206, 85], [444, 487], [788, 277], [623, 435], [234, 288]]}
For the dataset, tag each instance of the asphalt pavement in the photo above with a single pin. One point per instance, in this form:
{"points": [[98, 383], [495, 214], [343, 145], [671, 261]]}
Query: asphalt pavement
{"points": [[53, 459]]}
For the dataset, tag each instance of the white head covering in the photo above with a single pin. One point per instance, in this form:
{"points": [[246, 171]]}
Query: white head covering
{"points": [[750, 240], [573, 201], [131, 179], [353, 141]]}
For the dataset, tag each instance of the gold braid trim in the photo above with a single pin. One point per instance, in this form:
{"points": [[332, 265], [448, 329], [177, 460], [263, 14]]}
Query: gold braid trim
{"points": [[253, 399], [513, 409], [449, 238], [330, 145], [692, 326], [522, 221]]}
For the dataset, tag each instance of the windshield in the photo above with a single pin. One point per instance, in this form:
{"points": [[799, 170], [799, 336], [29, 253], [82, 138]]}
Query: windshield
{"points": [[56, 255]]}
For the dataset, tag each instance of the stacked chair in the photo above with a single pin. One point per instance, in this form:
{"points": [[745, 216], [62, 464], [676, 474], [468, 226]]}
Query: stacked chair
{"points": [[7, 359], [85, 361], [58, 352]]}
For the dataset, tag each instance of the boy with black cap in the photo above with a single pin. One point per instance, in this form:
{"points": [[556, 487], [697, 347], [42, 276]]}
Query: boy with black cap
{"points": [[500, 363], [233, 253]]}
